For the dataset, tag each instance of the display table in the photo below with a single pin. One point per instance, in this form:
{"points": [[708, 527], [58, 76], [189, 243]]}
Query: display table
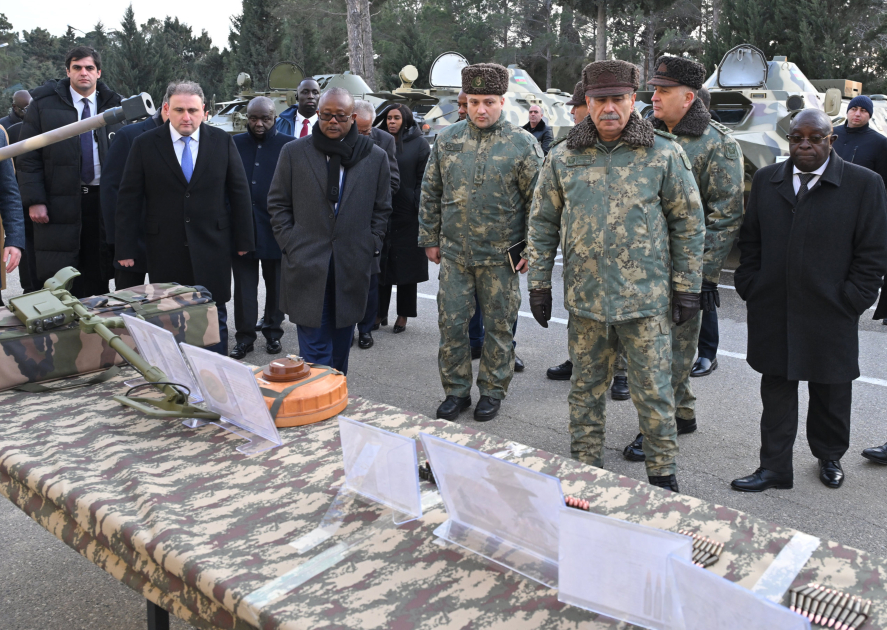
{"points": [[182, 518]]}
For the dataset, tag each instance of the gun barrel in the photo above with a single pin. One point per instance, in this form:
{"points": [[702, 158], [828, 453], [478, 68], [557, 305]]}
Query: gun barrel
{"points": [[133, 108]]}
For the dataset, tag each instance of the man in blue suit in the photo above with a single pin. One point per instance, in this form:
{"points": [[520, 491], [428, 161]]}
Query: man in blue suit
{"points": [[259, 149], [112, 173]]}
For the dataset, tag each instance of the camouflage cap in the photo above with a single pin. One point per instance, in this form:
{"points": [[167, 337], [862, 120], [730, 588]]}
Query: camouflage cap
{"points": [[578, 97], [485, 78], [610, 78], [673, 71]]}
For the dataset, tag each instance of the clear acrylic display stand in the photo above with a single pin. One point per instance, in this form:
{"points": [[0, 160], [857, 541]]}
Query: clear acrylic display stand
{"points": [[158, 347], [618, 569], [706, 600], [380, 466], [229, 388], [499, 510]]}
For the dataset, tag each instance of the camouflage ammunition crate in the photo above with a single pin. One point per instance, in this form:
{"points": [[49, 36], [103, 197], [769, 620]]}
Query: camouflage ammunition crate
{"points": [[187, 312]]}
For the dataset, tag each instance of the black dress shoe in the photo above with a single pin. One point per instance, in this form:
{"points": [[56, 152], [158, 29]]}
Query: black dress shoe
{"points": [[486, 408], [830, 473], [241, 350], [365, 340], [518, 364], [619, 389], [634, 452], [260, 324], [398, 328], [561, 372], [703, 367], [877, 454], [763, 479], [273, 346], [669, 482], [685, 426], [452, 406], [476, 351]]}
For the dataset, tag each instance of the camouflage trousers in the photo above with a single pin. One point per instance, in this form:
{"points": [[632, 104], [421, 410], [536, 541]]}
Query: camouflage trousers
{"points": [[647, 343], [498, 291], [684, 339]]}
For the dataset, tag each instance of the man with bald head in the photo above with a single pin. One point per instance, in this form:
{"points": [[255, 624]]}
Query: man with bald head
{"points": [[299, 119], [329, 203], [20, 102], [259, 150], [813, 250]]}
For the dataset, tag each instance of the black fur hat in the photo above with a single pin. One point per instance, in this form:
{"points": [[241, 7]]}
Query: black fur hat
{"points": [[485, 78], [578, 97], [610, 78], [672, 71]]}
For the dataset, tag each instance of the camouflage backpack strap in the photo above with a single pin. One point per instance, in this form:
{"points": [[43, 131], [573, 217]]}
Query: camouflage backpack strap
{"points": [[280, 396], [37, 388]]}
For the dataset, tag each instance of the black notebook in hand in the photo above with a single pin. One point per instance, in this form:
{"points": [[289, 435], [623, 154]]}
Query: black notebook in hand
{"points": [[514, 253]]}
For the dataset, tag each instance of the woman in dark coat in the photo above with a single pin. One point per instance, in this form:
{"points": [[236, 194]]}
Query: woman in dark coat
{"points": [[403, 262]]}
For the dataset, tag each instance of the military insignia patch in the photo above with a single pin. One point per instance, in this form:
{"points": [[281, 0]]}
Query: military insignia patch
{"points": [[730, 150], [478, 82]]}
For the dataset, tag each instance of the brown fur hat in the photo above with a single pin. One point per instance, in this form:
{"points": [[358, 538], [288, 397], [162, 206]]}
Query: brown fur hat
{"points": [[610, 78], [578, 97], [673, 71], [485, 78]]}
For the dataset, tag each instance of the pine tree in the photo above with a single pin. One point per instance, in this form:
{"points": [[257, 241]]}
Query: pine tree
{"points": [[259, 39]]}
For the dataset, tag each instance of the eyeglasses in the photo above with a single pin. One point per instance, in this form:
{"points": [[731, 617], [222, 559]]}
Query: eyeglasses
{"points": [[812, 139], [339, 117]]}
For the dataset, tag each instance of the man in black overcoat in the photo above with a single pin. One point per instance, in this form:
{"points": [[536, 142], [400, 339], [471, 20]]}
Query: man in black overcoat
{"points": [[60, 183], [121, 143], [259, 149], [813, 251], [329, 203], [181, 173]]}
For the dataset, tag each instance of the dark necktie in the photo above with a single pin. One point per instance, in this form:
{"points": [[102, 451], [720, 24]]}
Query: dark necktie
{"points": [[304, 128], [87, 164], [805, 179]]}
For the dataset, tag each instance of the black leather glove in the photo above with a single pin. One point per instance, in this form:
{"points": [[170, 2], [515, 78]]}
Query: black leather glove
{"points": [[710, 298], [540, 305], [684, 306]]}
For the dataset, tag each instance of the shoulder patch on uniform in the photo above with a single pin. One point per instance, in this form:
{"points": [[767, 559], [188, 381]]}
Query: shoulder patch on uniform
{"points": [[665, 134], [538, 149], [721, 128], [684, 156], [730, 151]]}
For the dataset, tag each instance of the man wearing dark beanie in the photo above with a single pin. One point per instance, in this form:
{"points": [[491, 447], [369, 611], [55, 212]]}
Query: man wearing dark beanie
{"points": [[857, 142]]}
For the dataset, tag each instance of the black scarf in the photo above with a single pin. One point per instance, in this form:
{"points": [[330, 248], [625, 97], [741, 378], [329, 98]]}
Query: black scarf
{"points": [[346, 152]]}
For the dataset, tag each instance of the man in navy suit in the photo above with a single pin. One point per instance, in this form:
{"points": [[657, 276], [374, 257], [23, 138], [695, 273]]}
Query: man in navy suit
{"points": [[259, 149], [121, 143]]}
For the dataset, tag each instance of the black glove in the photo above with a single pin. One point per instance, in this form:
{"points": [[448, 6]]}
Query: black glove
{"points": [[710, 298], [684, 306], [540, 305]]}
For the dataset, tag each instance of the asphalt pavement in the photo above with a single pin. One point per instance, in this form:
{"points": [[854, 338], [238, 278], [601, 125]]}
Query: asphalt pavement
{"points": [[47, 586]]}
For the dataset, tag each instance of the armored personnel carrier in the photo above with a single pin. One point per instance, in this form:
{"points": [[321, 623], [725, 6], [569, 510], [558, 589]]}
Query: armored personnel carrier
{"points": [[436, 107], [283, 81]]}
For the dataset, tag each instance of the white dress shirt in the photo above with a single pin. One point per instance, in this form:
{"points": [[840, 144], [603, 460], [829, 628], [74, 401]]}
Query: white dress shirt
{"points": [[179, 145], [299, 118], [818, 172], [93, 110]]}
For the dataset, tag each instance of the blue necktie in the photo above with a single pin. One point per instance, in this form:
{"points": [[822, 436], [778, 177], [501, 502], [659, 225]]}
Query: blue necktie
{"points": [[187, 160], [87, 164]]}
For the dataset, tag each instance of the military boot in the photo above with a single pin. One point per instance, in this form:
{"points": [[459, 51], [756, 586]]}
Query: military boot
{"points": [[668, 482], [619, 390]]}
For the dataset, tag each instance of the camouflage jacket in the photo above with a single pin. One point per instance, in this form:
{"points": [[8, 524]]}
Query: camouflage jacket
{"points": [[630, 222], [477, 192], [717, 167]]}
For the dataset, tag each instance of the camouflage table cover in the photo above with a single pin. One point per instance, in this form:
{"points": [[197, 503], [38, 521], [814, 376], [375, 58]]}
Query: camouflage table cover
{"points": [[182, 518]]}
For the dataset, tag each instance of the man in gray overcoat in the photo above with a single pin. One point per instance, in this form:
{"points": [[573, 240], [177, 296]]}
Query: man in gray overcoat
{"points": [[329, 204]]}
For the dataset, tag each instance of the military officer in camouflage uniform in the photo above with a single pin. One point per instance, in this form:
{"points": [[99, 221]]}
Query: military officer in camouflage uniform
{"points": [[717, 168], [476, 196], [622, 199]]}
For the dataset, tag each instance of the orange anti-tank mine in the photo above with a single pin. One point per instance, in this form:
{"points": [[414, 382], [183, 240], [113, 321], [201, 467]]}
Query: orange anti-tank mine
{"points": [[298, 393]]}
